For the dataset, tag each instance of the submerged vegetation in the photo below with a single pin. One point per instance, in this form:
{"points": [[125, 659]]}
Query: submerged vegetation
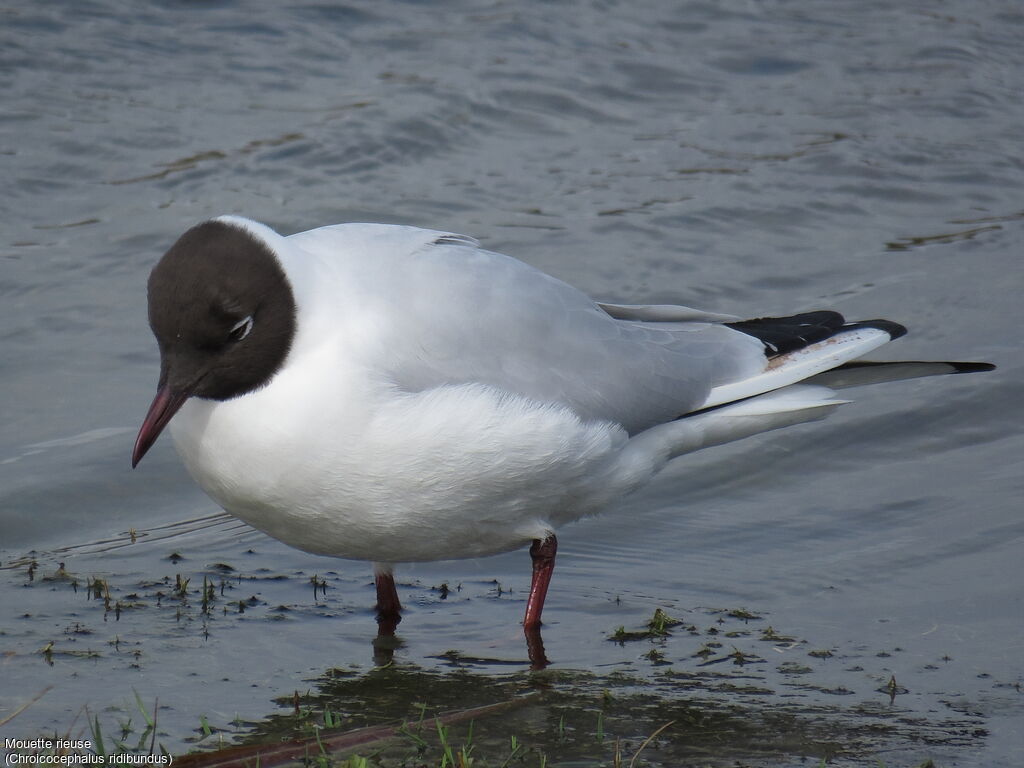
{"points": [[717, 687], [577, 721]]}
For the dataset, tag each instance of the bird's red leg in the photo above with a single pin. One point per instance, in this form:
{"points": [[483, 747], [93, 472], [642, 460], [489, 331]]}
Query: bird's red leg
{"points": [[542, 552], [389, 610], [543, 555]]}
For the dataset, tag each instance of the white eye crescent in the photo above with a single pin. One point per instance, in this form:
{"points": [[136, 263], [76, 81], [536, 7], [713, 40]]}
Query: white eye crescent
{"points": [[241, 329]]}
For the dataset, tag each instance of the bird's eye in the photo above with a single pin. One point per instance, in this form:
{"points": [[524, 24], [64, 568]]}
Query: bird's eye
{"points": [[240, 329]]}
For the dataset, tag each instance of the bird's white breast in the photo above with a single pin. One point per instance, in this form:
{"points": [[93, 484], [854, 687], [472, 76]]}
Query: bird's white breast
{"points": [[458, 471]]}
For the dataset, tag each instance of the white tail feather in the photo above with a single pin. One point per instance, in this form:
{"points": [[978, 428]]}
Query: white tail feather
{"points": [[782, 408]]}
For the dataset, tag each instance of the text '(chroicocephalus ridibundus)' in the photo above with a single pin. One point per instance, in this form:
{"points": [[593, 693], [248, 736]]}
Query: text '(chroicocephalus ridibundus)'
{"points": [[396, 394]]}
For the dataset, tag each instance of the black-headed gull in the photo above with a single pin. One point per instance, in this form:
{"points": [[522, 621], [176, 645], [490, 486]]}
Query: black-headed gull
{"points": [[395, 394]]}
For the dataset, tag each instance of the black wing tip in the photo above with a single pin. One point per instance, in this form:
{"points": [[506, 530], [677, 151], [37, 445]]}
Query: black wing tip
{"points": [[786, 334], [971, 367], [895, 330]]}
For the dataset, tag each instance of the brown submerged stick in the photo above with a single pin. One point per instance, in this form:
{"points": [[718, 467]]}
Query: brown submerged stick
{"points": [[267, 755], [26, 705]]}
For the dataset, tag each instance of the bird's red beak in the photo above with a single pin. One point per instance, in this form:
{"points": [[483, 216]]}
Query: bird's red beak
{"points": [[164, 406]]}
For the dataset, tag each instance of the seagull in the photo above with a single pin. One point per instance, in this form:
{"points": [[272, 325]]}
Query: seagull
{"points": [[395, 394]]}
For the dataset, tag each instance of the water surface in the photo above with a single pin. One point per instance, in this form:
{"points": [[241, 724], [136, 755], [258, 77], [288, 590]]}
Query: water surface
{"points": [[746, 158]]}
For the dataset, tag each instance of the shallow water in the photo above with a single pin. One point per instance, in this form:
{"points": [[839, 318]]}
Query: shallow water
{"points": [[745, 158]]}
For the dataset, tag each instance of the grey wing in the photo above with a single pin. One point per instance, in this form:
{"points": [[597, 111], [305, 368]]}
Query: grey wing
{"points": [[664, 313], [497, 321]]}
